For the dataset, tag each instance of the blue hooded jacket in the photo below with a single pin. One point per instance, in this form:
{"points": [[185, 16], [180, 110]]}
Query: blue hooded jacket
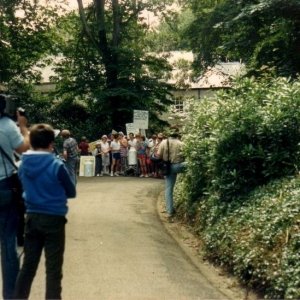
{"points": [[46, 183]]}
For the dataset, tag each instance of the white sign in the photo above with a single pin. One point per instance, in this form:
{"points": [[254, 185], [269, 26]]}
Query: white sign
{"points": [[141, 118], [131, 127], [87, 166]]}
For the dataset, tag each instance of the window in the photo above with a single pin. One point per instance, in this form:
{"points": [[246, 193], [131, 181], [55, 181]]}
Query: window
{"points": [[178, 105]]}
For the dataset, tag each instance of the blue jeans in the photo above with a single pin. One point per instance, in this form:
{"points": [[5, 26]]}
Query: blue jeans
{"points": [[9, 257], [71, 165], [170, 181], [42, 232]]}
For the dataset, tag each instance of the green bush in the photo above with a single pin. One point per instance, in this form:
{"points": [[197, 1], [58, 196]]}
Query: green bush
{"points": [[259, 239], [242, 186], [243, 138]]}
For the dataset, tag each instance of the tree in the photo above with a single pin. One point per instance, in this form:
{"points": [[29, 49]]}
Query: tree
{"points": [[106, 65], [24, 37], [170, 35], [261, 33]]}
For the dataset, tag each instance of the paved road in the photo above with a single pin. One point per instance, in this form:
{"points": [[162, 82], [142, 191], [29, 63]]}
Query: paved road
{"points": [[118, 248]]}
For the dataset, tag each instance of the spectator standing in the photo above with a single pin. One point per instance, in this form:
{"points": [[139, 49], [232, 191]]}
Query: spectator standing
{"points": [[47, 186], [171, 148], [132, 140], [154, 156], [105, 150], [123, 152], [150, 151], [115, 147], [84, 146], [132, 155], [70, 154], [141, 148], [12, 139], [98, 158]]}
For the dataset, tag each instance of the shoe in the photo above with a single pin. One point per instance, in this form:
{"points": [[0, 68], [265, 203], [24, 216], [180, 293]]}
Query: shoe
{"points": [[141, 176], [97, 175], [112, 174], [101, 174], [116, 174], [146, 176]]}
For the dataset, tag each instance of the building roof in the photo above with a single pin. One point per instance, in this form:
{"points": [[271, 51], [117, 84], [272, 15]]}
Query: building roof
{"points": [[214, 77]]}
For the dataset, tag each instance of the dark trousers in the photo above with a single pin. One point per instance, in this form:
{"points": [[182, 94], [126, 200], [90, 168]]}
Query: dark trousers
{"points": [[8, 232], [98, 167], [42, 232]]}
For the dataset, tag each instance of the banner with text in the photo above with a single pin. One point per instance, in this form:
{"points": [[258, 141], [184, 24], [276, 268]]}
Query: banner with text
{"points": [[131, 127], [141, 119]]}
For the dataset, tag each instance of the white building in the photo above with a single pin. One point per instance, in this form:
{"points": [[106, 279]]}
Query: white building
{"points": [[181, 77]]}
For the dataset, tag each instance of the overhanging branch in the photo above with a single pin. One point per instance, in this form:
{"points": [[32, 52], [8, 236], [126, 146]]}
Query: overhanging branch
{"points": [[84, 23]]}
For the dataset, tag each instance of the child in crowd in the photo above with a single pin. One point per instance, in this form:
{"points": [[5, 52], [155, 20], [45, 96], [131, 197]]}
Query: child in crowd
{"points": [[98, 157], [47, 185]]}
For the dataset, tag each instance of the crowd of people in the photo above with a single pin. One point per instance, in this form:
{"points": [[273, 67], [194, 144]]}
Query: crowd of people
{"points": [[117, 154], [48, 183]]}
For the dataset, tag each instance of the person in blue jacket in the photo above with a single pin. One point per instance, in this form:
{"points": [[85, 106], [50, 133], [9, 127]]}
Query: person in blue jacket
{"points": [[47, 186]]}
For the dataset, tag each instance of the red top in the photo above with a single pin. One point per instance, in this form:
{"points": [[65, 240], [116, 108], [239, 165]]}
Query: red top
{"points": [[84, 148]]}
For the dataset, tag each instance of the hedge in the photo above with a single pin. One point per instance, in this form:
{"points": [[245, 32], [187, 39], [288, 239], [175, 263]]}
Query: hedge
{"points": [[241, 188]]}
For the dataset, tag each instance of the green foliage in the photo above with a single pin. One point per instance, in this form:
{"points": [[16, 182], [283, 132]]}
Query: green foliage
{"points": [[262, 34], [171, 32], [111, 85], [258, 239], [241, 189], [243, 138], [25, 37]]}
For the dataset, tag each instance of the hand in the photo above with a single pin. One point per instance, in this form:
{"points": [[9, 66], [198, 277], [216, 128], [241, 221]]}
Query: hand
{"points": [[22, 121]]}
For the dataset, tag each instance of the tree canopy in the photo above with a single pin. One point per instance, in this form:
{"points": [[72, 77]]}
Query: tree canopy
{"points": [[261, 33], [105, 64], [24, 36]]}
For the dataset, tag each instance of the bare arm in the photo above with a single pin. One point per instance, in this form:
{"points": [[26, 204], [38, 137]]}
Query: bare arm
{"points": [[22, 121]]}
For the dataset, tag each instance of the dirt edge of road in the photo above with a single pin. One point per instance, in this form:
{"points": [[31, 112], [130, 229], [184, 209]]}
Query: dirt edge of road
{"points": [[191, 245]]}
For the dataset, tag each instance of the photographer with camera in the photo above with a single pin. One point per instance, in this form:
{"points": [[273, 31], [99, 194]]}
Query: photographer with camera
{"points": [[12, 138]]}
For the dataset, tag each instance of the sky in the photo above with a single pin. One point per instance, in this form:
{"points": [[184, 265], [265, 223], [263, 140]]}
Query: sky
{"points": [[73, 3], [150, 18]]}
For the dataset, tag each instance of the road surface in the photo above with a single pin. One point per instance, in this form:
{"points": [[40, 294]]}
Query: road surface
{"points": [[117, 247]]}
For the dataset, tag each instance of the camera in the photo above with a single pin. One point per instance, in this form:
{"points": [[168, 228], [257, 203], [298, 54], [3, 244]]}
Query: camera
{"points": [[8, 105]]}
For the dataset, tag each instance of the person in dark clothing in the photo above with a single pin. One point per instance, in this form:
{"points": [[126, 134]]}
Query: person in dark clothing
{"points": [[47, 185], [70, 154], [84, 147], [98, 158]]}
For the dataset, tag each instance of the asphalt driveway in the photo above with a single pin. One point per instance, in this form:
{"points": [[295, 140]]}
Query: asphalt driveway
{"points": [[118, 248]]}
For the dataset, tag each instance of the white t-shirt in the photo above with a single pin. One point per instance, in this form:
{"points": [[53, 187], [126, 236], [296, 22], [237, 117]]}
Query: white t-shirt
{"points": [[132, 143], [115, 146], [105, 147]]}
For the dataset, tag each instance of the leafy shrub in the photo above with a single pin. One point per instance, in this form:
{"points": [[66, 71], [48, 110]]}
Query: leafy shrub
{"points": [[242, 185], [258, 240], [243, 138]]}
